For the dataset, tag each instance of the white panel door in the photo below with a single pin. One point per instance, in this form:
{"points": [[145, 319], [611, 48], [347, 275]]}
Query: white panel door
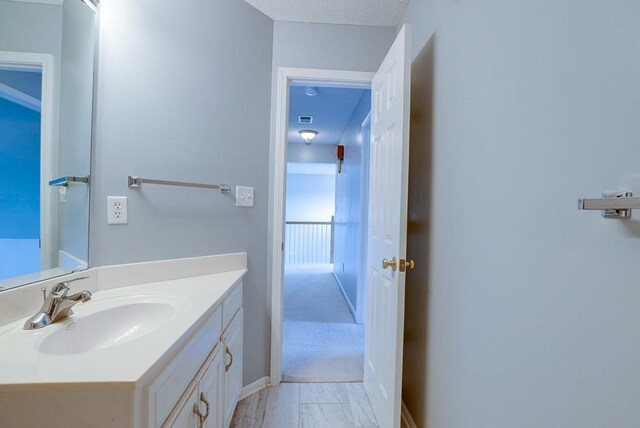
{"points": [[387, 231]]}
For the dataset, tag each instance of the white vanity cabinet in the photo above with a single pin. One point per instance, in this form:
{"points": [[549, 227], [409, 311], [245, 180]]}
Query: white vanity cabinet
{"points": [[159, 345], [206, 399]]}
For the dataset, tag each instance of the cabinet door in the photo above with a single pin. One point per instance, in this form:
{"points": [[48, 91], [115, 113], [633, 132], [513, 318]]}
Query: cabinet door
{"points": [[186, 418], [232, 341], [211, 391]]}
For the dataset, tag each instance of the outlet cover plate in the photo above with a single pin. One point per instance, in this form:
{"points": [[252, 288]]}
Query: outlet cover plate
{"points": [[117, 212], [244, 196]]}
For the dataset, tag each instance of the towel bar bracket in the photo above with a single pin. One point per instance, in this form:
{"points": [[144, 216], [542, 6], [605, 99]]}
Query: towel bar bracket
{"points": [[612, 204], [66, 180]]}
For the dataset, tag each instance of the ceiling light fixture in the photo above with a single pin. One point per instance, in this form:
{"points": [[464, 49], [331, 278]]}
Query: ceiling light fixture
{"points": [[308, 135], [311, 92]]}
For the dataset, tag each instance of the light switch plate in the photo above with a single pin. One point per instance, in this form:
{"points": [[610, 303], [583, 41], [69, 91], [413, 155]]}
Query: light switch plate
{"points": [[244, 196], [117, 212]]}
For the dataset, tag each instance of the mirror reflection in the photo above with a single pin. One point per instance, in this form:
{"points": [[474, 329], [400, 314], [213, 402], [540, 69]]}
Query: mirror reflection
{"points": [[47, 52]]}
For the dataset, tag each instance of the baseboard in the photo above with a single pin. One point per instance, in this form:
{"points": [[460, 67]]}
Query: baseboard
{"points": [[407, 420], [353, 311], [254, 387]]}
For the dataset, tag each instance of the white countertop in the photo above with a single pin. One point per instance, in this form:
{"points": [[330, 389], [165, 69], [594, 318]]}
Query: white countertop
{"points": [[24, 366]]}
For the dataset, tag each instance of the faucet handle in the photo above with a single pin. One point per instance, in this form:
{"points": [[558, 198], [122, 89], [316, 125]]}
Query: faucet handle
{"points": [[44, 293], [62, 288]]}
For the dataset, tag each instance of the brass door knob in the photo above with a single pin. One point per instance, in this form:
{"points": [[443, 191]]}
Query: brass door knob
{"points": [[393, 264], [407, 264]]}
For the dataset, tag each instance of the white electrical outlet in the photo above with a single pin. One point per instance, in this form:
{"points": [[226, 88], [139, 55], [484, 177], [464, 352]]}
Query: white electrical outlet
{"points": [[117, 210], [244, 196]]}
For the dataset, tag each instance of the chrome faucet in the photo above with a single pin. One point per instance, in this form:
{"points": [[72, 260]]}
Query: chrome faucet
{"points": [[57, 305]]}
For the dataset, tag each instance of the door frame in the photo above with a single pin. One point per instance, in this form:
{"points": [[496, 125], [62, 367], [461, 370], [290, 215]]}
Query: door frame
{"points": [[287, 76], [48, 214]]}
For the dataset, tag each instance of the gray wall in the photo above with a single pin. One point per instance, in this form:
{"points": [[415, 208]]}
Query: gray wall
{"points": [[339, 47], [183, 94], [351, 206], [522, 311], [76, 104], [44, 24]]}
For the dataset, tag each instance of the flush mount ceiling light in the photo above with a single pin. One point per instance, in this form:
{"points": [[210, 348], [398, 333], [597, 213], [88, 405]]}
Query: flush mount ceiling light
{"points": [[311, 92], [308, 135]]}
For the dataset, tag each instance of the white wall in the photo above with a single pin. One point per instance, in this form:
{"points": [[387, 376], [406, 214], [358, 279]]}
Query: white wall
{"points": [[183, 94], [351, 207], [311, 153], [310, 197], [522, 311]]}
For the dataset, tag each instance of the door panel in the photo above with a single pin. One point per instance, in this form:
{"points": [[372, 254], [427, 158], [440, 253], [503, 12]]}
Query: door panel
{"points": [[211, 387], [186, 418], [232, 341], [387, 232]]}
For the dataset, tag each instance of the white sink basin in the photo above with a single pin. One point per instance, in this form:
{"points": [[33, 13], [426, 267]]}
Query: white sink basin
{"points": [[111, 322]]}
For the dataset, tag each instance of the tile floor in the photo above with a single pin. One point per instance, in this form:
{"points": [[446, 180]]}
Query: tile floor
{"points": [[297, 405]]}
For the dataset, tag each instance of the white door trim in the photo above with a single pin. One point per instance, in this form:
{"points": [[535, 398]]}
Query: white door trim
{"points": [[44, 63], [286, 76]]}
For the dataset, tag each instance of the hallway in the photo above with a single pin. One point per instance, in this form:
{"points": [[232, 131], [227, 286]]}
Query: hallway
{"points": [[321, 341]]}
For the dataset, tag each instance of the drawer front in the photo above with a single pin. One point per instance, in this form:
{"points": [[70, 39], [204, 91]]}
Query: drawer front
{"points": [[166, 390], [232, 303]]}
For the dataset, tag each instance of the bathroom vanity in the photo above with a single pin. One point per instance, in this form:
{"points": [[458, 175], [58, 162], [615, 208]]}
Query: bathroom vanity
{"points": [[159, 345]]}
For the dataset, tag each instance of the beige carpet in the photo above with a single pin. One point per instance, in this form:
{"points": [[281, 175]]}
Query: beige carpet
{"points": [[321, 341]]}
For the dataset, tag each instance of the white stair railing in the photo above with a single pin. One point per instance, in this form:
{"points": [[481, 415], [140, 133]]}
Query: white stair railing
{"points": [[308, 242]]}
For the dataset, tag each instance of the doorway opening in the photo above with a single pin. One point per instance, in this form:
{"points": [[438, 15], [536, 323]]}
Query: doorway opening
{"points": [[323, 334], [25, 238], [20, 97], [386, 259], [323, 259]]}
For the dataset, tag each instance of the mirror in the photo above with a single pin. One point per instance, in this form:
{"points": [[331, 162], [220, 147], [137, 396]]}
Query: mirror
{"points": [[47, 67]]}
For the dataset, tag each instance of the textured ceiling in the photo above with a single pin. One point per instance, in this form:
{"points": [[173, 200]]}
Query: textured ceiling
{"points": [[357, 12], [331, 109]]}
